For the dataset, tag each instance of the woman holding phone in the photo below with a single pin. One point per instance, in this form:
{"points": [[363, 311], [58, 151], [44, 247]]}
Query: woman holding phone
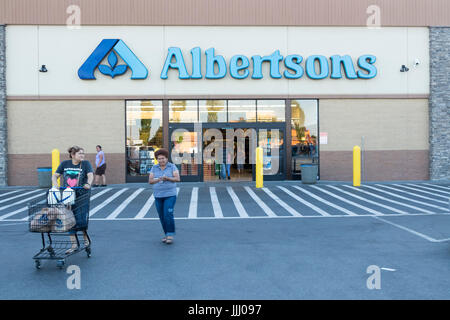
{"points": [[163, 177]]}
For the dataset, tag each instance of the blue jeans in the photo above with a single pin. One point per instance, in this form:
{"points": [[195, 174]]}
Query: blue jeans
{"points": [[80, 210], [223, 173], [165, 206]]}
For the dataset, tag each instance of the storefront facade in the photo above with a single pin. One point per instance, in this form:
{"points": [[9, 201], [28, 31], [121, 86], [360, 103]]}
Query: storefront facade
{"points": [[313, 92]]}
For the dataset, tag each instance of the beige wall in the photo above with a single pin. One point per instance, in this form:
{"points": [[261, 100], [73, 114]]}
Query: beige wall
{"points": [[386, 124], [395, 138], [37, 127]]}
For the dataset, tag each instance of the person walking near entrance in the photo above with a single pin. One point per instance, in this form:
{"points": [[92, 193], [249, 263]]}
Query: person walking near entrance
{"points": [[163, 177], [100, 163]]}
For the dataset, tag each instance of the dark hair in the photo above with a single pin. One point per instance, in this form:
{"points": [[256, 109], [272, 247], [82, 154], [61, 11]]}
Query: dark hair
{"points": [[162, 152], [74, 149], [99, 146]]}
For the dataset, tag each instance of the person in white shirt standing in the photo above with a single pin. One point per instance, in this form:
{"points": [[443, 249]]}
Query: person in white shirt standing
{"points": [[100, 164]]}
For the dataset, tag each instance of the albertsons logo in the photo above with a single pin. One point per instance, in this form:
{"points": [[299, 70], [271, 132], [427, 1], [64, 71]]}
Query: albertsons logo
{"points": [[112, 48]]}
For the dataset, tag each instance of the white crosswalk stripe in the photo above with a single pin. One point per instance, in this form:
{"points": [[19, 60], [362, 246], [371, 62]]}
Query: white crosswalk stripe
{"points": [[215, 203], [237, 203], [325, 201], [263, 206], [437, 186], [20, 202], [349, 202], [146, 208], [405, 198], [18, 196], [398, 189], [315, 208], [389, 200], [107, 201], [424, 192], [99, 194], [432, 189], [194, 203], [368, 201], [250, 202], [8, 193], [282, 203], [124, 204]]}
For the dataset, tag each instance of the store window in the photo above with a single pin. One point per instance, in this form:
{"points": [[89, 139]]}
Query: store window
{"points": [[183, 111], [241, 110], [304, 133], [144, 135], [213, 110], [271, 110]]}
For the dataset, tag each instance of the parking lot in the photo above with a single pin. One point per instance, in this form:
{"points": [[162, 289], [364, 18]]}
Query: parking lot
{"points": [[290, 241]]}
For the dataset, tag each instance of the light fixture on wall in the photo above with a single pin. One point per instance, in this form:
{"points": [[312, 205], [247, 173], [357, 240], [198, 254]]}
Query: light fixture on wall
{"points": [[43, 68], [404, 68]]}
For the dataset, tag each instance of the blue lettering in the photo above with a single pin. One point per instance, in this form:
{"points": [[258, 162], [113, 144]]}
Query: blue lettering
{"points": [[211, 60], [175, 52], [196, 63], [349, 69], [366, 63], [311, 70], [235, 68], [274, 59], [292, 62]]}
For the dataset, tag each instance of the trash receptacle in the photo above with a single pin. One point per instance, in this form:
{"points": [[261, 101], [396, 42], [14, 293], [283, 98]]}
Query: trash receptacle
{"points": [[309, 173], [44, 177]]}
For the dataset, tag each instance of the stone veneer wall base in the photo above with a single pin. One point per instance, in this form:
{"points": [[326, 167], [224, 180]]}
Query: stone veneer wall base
{"points": [[439, 103], [3, 118]]}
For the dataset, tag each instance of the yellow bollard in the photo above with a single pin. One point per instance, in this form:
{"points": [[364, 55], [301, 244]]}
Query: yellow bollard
{"points": [[55, 162], [259, 168], [356, 166]]}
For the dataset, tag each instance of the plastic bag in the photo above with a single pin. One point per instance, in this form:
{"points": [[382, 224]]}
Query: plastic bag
{"points": [[54, 196], [68, 196]]}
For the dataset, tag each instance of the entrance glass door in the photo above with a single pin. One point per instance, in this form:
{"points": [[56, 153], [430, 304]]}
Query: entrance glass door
{"points": [[185, 151], [235, 163]]}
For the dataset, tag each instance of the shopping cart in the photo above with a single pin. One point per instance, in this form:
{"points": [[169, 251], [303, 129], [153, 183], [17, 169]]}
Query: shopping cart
{"points": [[57, 220]]}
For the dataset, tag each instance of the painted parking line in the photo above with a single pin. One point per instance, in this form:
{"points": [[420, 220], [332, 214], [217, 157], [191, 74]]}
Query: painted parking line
{"points": [[424, 192], [306, 203], [8, 193], [146, 208], [437, 186], [406, 198], [325, 201], [389, 200], [215, 203], [260, 203], [288, 208], [442, 192], [18, 196], [106, 202], [99, 194], [237, 203], [369, 201], [19, 202], [377, 213], [412, 231], [124, 204], [14, 213], [193, 204]]}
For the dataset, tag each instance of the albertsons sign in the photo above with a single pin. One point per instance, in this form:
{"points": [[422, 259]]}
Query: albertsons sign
{"points": [[239, 66]]}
